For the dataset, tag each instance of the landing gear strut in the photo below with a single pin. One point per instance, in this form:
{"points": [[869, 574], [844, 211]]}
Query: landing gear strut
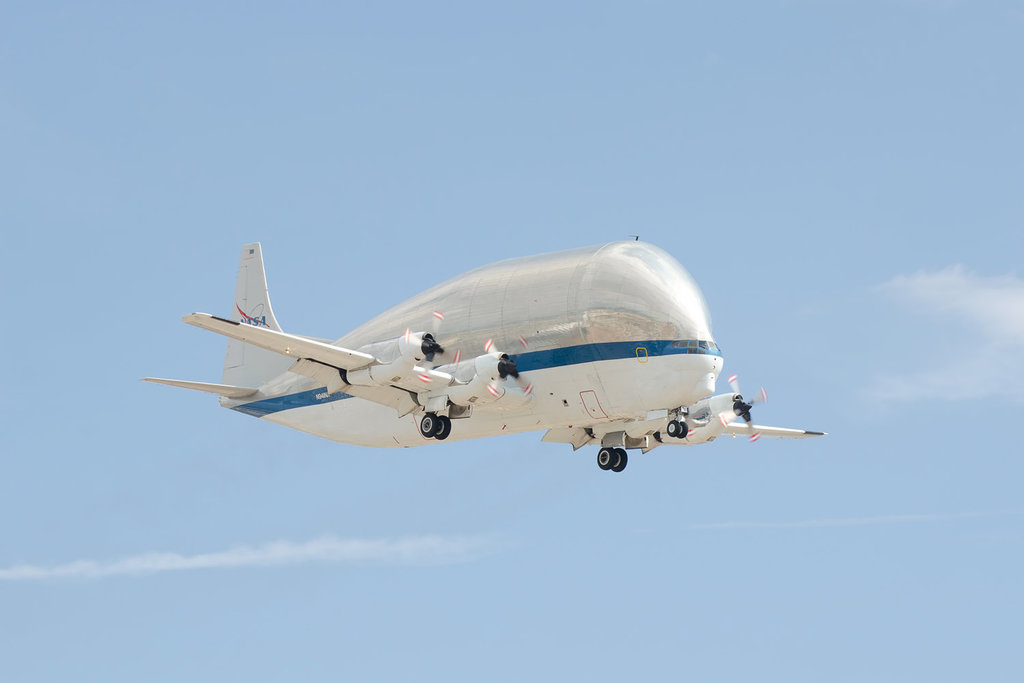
{"points": [[613, 459], [435, 427]]}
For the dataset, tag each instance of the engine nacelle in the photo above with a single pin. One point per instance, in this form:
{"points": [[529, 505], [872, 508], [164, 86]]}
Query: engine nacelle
{"points": [[414, 347], [405, 353], [722, 403], [704, 413], [485, 387], [488, 384]]}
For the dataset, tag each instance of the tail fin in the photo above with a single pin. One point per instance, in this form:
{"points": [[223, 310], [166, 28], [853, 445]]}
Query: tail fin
{"points": [[244, 364]]}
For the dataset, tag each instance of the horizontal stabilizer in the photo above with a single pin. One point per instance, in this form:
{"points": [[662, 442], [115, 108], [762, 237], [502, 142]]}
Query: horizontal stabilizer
{"points": [[741, 429], [219, 389], [291, 345]]}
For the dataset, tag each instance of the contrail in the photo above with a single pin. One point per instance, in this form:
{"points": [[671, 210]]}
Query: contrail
{"points": [[851, 521], [325, 549]]}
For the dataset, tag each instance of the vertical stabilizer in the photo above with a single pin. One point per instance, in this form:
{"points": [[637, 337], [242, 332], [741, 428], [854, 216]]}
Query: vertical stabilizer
{"points": [[246, 365]]}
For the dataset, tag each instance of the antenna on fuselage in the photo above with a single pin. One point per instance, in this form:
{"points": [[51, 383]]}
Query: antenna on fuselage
{"points": [[636, 238]]}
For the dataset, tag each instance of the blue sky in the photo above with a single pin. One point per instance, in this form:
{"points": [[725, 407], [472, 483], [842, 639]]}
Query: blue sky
{"points": [[843, 179]]}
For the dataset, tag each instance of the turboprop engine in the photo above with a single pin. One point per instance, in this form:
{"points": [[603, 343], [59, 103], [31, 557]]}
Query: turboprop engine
{"points": [[407, 351], [491, 382], [716, 412]]}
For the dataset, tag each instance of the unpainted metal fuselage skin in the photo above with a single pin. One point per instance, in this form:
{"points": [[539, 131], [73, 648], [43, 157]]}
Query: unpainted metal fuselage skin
{"points": [[602, 326]]}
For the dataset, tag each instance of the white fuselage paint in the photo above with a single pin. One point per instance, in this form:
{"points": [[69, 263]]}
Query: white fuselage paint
{"points": [[625, 389]]}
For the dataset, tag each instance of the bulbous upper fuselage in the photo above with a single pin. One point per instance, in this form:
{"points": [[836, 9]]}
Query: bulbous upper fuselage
{"points": [[618, 292]]}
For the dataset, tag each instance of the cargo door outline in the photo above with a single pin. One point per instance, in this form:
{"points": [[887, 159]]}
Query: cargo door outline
{"points": [[592, 404]]}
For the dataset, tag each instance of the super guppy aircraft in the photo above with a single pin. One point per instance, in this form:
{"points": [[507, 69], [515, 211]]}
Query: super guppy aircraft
{"points": [[608, 345]]}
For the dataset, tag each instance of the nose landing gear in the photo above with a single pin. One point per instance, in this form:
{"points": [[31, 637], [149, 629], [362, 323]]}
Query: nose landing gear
{"points": [[613, 459]]}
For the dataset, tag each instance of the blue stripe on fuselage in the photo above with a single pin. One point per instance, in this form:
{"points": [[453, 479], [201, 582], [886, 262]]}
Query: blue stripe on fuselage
{"points": [[525, 362], [289, 401], [592, 353]]}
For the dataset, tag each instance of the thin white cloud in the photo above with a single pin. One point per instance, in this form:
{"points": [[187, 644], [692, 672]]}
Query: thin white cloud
{"points": [[831, 522], [989, 356], [990, 306], [326, 549]]}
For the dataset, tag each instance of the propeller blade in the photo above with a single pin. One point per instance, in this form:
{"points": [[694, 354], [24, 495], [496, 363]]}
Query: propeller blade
{"points": [[734, 385]]}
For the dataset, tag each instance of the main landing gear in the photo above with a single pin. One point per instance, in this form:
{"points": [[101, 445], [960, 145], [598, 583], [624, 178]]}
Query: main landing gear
{"points": [[613, 459], [435, 426], [677, 429]]}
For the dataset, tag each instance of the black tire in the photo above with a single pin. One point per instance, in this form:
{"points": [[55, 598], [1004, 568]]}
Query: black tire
{"points": [[675, 428], [622, 460], [428, 425], [444, 428], [606, 458], [685, 429]]}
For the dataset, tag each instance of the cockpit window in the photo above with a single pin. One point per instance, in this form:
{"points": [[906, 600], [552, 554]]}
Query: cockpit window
{"points": [[699, 346]]}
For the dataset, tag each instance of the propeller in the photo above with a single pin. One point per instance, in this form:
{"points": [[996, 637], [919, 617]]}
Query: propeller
{"points": [[741, 408], [428, 345], [507, 366]]}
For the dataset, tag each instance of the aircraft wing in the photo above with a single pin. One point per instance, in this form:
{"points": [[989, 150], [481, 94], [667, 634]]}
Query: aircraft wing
{"points": [[316, 359], [741, 429], [281, 342]]}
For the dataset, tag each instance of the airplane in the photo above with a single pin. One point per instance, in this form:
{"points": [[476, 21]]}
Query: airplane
{"points": [[608, 345]]}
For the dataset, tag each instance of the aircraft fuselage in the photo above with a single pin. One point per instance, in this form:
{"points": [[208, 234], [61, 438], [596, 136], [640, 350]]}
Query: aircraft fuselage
{"points": [[602, 333]]}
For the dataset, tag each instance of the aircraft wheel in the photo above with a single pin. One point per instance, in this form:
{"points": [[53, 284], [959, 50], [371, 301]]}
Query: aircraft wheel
{"points": [[606, 458], [444, 428], [677, 429], [428, 425], [622, 460]]}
